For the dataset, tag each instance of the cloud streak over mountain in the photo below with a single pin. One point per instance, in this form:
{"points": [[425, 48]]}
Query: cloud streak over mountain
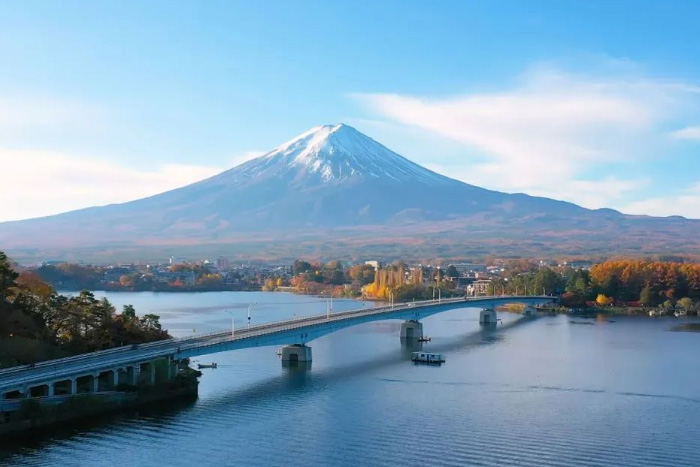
{"points": [[555, 125]]}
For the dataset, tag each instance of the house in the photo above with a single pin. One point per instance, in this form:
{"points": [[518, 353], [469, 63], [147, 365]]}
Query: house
{"points": [[478, 287]]}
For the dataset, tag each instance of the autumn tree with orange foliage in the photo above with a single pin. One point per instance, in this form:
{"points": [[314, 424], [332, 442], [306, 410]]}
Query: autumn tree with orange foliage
{"points": [[651, 282], [385, 280]]}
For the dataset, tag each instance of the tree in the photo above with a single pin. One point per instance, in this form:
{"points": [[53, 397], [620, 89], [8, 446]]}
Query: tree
{"points": [[602, 300], [151, 321], [300, 266], [452, 272], [686, 304], [362, 273], [7, 276], [646, 296], [546, 281], [129, 312]]}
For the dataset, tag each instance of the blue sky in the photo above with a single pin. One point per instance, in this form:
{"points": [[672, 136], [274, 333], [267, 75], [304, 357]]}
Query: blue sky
{"points": [[595, 102]]}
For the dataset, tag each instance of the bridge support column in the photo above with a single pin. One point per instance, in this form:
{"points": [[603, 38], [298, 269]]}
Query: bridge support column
{"points": [[131, 376], [96, 383], [52, 388], [295, 354], [174, 365], [411, 330], [488, 317]]}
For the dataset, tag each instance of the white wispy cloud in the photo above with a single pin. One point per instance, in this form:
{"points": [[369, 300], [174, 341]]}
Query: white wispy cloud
{"points": [[47, 182], [686, 203], [690, 132], [546, 134]]}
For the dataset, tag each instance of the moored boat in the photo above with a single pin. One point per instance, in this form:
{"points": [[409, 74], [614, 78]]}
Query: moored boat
{"points": [[427, 357]]}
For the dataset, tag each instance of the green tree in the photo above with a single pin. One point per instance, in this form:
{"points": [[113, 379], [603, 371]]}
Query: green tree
{"points": [[546, 281], [646, 297], [7, 276], [129, 312], [451, 271], [300, 266], [151, 321]]}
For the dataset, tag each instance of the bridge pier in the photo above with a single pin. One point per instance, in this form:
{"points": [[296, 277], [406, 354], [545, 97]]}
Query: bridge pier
{"points": [[173, 368], [411, 330], [488, 317], [296, 353]]}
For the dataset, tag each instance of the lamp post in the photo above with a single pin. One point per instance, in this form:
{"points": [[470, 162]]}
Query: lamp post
{"points": [[249, 307], [434, 287], [233, 322]]}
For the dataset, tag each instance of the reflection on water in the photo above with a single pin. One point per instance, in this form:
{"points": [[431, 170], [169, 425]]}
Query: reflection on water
{"points": [[545, 391]]}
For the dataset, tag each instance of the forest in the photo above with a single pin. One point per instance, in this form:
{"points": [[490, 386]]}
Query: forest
{"points": [[36, 323]]}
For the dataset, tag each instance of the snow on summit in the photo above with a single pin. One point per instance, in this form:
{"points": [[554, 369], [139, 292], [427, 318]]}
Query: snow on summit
{"points": [[333, 153]]}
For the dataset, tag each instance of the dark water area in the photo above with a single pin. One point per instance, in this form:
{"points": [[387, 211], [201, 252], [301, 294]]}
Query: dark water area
{"points": [[546, 391]]}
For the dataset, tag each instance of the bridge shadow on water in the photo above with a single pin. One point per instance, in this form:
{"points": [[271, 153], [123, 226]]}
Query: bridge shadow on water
{"points": [[296, 381], [300, 378]]}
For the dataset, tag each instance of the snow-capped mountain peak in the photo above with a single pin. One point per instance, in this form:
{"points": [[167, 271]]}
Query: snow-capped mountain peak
{"points": [[333, 153]]}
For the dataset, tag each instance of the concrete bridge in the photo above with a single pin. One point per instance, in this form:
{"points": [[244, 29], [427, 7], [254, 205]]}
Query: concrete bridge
{"points": [[105, 371]]}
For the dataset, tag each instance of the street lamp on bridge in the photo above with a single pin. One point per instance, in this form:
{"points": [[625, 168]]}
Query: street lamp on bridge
{"points": [[233, 322], [439, 292], [249, 307]]}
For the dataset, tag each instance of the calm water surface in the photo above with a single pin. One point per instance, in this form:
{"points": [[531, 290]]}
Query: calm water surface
{"points": [[550, 391]]}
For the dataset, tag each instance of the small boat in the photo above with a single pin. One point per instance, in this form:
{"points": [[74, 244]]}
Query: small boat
{"points": [[424, 339], [205, 365], [427, 357]]}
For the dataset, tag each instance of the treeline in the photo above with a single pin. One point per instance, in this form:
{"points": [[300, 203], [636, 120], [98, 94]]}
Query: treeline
{"points": [[36, 323], [649, 282], [526, 277], [70, 276], [643, 282], [319, 277], [402, 283]]}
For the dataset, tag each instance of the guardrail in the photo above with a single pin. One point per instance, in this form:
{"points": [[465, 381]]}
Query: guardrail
{"points": [[149, 350]]}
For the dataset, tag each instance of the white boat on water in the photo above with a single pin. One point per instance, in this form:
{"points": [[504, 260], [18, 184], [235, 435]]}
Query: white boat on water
{"points": [[427, 357]]}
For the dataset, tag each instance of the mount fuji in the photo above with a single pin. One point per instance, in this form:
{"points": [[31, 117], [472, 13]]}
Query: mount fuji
{"points": [[334, 190]]}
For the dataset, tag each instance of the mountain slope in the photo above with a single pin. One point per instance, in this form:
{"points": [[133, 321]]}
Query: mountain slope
{"points": [[330, 179]]}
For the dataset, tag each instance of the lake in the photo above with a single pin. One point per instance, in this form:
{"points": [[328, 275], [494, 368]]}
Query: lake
{"points": [[555, 391]]}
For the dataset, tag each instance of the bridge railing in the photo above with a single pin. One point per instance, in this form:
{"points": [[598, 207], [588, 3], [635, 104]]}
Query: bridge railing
{"points": [[295, 323], [248, 332]]}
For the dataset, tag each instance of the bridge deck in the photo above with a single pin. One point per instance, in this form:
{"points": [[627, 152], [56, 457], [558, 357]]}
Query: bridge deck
{"points": [[86, 364]]}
